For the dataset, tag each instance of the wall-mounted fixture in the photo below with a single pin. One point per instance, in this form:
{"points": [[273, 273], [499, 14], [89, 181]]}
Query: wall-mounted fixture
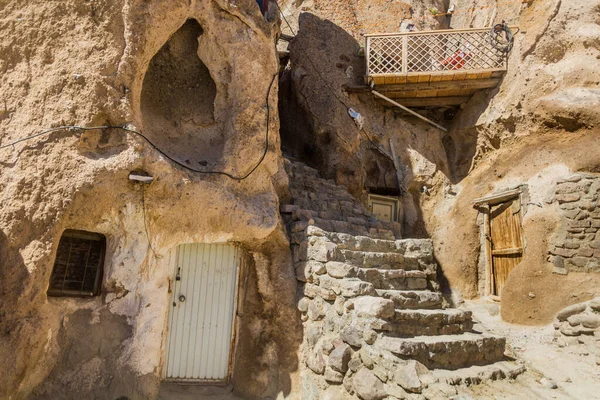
{"points": [[141, 176]]}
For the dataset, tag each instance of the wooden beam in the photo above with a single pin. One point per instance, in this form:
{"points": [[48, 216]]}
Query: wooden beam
{"points": [[443, 85], [433, 101], [497, 198], [507, 252], [487, 232], [408, 110]]}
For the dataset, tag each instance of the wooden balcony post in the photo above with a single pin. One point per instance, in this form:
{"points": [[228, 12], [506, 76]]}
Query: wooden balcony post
{"points": [[405, 55], [368, 55]]}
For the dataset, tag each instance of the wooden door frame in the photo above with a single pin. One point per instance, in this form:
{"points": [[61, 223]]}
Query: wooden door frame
{"points": [[484, 205]]}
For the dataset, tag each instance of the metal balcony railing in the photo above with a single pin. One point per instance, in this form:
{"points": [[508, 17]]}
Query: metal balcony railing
{"points": [[418, 53]]}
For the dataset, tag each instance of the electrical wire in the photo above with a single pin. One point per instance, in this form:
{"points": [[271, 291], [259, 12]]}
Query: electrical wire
{"points": [[155, 147], [501, 37], [284, 18], [145, 223]]}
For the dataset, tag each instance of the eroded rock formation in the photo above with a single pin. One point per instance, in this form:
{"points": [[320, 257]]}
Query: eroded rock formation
{"points": [[198, 80]]}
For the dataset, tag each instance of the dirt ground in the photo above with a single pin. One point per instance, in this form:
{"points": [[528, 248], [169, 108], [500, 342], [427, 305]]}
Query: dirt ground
{"points": [[572, 367]]}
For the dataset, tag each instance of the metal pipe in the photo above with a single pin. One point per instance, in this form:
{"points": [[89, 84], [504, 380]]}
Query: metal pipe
{"points": [[376, 93]]}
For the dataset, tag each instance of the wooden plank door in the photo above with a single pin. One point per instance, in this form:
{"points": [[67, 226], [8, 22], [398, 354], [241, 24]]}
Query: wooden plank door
{"points": [[507, 241]]}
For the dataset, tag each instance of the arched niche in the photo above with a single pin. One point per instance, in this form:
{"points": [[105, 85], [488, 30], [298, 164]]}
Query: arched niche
{"points": [[177, 101]]}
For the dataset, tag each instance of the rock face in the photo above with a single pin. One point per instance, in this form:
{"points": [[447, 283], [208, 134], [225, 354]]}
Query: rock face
{"points": [[545, 110], [184, 75], [382, 328]]}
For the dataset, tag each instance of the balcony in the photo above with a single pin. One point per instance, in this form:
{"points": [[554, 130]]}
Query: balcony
{"points": [[433, 68]]}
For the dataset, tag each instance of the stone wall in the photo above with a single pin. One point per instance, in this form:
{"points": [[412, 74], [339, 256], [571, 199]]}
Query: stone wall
{"points": [[341, 315], [579, 324], [576, 244]]}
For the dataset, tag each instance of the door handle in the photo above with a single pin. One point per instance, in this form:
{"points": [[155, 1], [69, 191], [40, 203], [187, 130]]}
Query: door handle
{"points": [[181, 298]]}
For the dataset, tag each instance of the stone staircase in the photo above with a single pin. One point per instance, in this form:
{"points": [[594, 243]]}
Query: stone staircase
{"points": [[374, 320]]}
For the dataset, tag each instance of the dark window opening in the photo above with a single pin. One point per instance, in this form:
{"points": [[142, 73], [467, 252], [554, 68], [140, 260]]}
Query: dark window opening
{"points": [[78, 265]]}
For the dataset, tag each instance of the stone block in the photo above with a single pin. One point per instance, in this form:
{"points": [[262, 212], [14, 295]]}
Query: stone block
{"points": [[303, 304], [317, 309], [349, 287], [588, 205], [571, 214], [368, 386], [315, 231], [339, 358], [327, 347], [317, 267], [566, 253], [313, 291], [408, 376], [560, 271], [569, 206], [595, 244], [381, 373], [585, 252], [369, 336], [558, 262], [374, 307], [568, 197], [570, 244], [570, 310], [320, 250], [580, 224], [340, 270], [339, 305], [579, 262], [302, 215], [591, 321], [355, 364], [316, 363], [351, 335], [298, 226], [582, 216], [595, 304], [366, 358], [288, 208], [332, 376], [573, 178]]}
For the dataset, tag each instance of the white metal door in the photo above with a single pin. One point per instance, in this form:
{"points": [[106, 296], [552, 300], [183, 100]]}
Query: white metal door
{"points": [[201, 321]]}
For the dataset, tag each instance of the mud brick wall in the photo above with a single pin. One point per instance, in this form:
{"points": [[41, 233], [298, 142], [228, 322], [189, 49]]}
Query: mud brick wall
{"points": [[576, 246]]}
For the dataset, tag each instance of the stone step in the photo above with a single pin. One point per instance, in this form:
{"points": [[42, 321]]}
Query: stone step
{"points": [[396, 279], [303, 214], [447, 351], [349, 228], [413, 299], [422, 248], [410, 323], [383, 261], [478, 374], [347, 287]]}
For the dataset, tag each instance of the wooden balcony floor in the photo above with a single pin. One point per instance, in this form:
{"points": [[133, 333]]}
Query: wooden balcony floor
{"points": [[431, 89]]}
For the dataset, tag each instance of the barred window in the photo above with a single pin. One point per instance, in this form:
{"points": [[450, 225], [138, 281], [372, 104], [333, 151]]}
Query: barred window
{"points": [[78, 265]]}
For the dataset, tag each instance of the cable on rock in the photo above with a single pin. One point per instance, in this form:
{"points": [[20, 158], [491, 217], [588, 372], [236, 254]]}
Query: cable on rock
{"points": [[155, 147]]}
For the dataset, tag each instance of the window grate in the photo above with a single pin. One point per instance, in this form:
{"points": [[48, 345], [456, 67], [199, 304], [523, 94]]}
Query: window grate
{"points": [[78, 265]]}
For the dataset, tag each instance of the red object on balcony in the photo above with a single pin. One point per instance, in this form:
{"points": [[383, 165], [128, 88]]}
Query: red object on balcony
{"points": [[456, 60]]}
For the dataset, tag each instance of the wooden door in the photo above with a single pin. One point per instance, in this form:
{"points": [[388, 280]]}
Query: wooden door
{"points": [[507, 241]]}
